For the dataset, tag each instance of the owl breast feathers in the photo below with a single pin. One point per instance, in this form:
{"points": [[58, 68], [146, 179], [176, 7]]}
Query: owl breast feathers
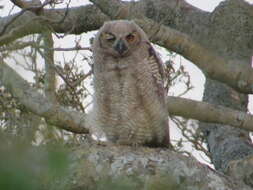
{"points": [[129, 100]]}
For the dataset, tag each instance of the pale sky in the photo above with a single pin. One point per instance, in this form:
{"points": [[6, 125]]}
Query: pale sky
{"points": [[204, 4]]}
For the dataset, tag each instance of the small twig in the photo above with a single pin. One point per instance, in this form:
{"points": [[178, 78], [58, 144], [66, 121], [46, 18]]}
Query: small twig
{"points": [[71, 85], [76, 83], [59, 72], [65, 14], [22, 45], [76, 48]]}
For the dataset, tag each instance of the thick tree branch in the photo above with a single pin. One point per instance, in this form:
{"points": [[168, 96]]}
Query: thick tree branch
{"points": [[143, 168], [30, 24], [209, 113], [213, 65], [72, 20], [38, 104]]}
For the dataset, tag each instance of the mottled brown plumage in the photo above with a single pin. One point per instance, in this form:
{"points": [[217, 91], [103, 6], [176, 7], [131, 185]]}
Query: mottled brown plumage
{"points": [[129, 100]]}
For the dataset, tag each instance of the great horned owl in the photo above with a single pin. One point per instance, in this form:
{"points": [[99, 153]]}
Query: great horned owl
{"points": [[129, 100]]}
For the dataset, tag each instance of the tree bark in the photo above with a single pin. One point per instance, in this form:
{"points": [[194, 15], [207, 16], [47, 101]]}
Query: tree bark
{"points": [[40, 105], [94, 167], [227, 144], [73, 21], [209, 113]]}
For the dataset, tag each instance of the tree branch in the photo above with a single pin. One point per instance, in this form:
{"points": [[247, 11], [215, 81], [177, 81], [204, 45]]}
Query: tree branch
{"points": [[143, 168], [30, 24], [50, 77], [17, 45], [40, 105], [209, 113], [211, 64], [76, 21]]}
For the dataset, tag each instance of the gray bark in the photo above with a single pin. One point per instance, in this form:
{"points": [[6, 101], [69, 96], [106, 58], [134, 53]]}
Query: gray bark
{"points": [[73, 21], [228, 144], [210, 113], [40, 105], [227, 31], [143, 168]]}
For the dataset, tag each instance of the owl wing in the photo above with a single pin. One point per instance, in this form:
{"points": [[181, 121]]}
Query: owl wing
{"points": [[158, 75], [157, 70]]}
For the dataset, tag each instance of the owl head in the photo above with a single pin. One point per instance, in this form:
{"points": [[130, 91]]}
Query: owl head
{"points": [[119, 38]]}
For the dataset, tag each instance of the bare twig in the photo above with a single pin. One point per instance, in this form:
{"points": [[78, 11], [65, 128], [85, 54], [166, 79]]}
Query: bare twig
{"points": [[21, 45], [76, 48], [40, 105], [191, 134]]}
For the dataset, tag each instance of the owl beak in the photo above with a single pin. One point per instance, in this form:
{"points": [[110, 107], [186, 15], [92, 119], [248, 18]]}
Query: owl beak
{"points": [[120, 47]]}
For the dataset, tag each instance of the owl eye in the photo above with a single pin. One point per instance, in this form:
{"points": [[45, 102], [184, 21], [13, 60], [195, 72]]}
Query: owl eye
{"points": [[109, 37], [130, 38]]}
